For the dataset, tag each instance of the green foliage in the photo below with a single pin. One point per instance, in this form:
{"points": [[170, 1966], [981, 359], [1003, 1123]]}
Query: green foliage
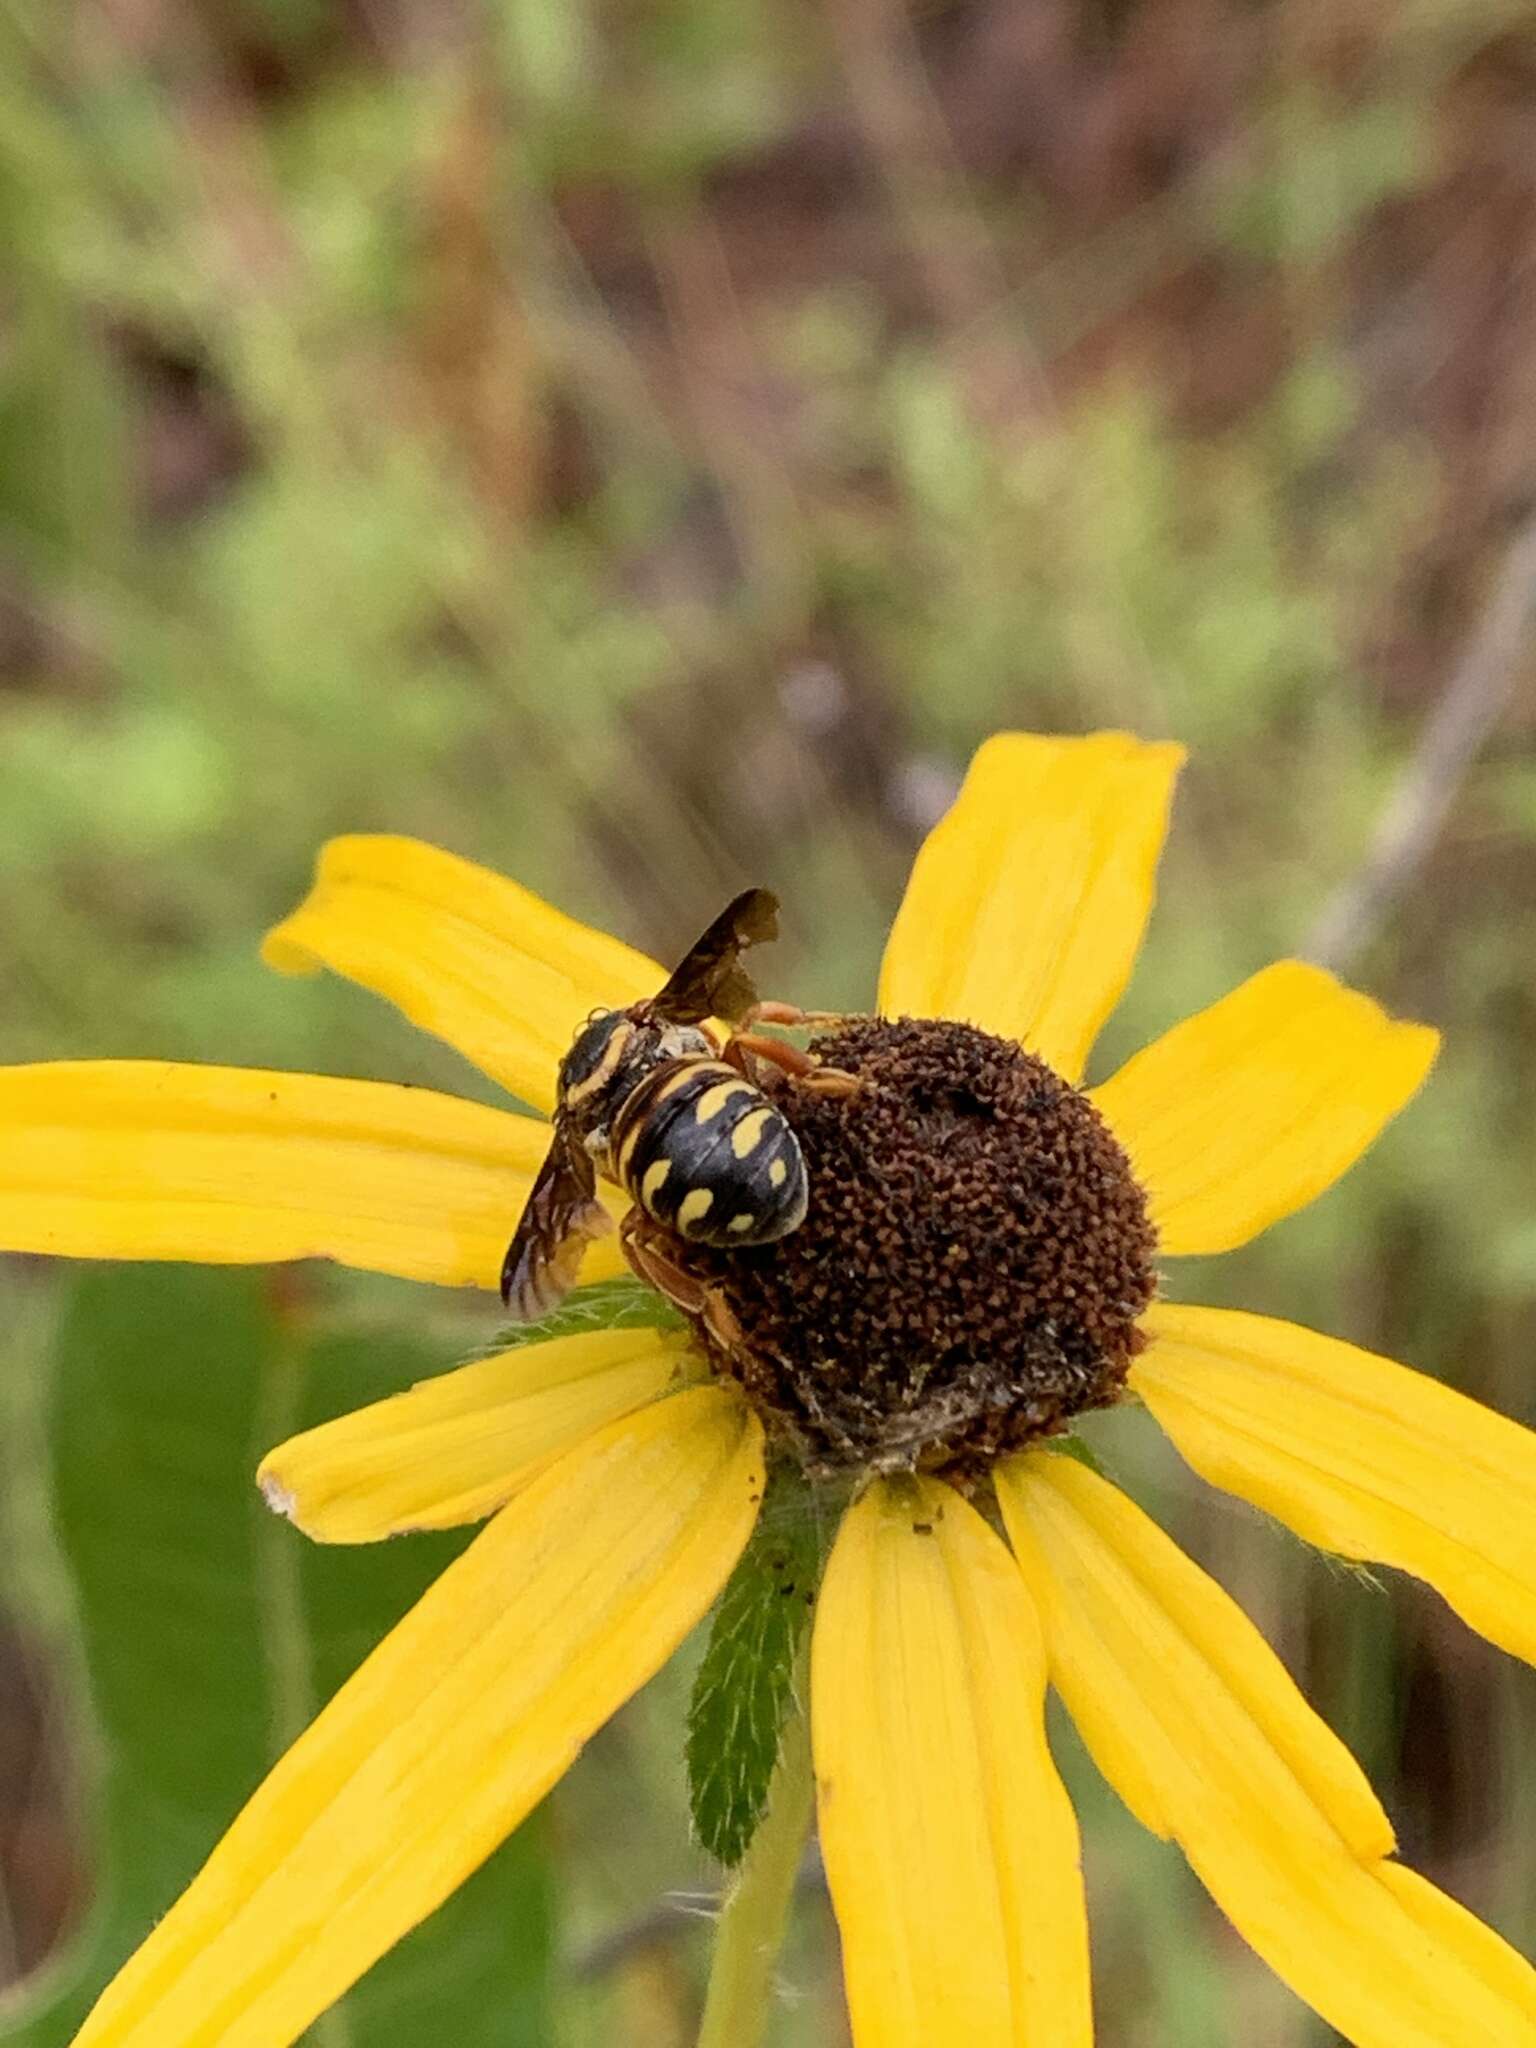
{"points": [[210, 1632], [1327, 168], [742, 1690]]}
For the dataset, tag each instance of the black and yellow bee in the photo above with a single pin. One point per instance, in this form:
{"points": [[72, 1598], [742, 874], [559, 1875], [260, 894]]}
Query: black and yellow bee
{"points": [[646, 1097]]}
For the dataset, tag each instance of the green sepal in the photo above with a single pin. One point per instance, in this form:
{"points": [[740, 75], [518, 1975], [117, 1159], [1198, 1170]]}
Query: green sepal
{"points": [[623, 1303], [743, 1688]]}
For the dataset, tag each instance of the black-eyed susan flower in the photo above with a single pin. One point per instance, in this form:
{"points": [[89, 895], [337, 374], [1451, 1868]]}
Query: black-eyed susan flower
{"points": [[976, 1268]]}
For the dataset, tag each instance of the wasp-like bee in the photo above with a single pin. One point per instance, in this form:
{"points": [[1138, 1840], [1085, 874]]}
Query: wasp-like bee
{"points": [[645, 1097]]}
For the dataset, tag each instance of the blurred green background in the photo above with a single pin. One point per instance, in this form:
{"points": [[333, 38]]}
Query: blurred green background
{"points": [[644, 447]]}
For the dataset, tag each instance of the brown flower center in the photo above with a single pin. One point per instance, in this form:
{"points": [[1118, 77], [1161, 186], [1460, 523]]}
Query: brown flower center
{"points": [[969, 1274]]}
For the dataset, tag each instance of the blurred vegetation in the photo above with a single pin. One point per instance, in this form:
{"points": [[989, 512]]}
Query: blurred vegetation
{"points": [[644, 447]]}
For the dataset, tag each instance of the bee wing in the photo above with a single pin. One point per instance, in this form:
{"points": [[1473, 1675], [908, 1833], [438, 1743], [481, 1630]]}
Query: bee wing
{"points": [[710, 980], [560, 1219]]}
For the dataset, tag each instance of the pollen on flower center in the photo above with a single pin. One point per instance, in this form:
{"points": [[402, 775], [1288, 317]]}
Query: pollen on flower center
{"points": [[971, 1269]]}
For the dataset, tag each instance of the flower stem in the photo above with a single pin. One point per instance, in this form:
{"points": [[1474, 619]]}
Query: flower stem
{"points": [[756, 1908]]}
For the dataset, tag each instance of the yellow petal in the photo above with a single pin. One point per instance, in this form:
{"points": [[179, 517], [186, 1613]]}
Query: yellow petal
{"points": [[450, 1732], [1249, 1110], [483, 963], [1026, 905], [1191, 1650], [1356, 1454], [1191, 1717], [1448, 1924], [141, 1159], [454, 1448], [950, 1846]]}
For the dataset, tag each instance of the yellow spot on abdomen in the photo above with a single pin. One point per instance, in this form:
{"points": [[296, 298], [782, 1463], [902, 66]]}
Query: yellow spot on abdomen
{"points": [[742, 1222], [778, 1173], [654, 1179], [748, 1134], [694, 1206], [713, 1100], [627, 1144]]}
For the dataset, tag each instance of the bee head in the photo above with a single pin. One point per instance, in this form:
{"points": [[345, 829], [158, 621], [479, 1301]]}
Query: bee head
{"points": [[612, 1053], [596, 1054]]}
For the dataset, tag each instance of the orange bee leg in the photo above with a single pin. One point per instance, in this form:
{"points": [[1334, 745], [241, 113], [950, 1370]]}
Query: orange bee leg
{"points": [[720, 1320], [830, 1081], [809, 1070], [789, 1013], [745, 1046], [806, 1069], [650, 1262], [650, 1258]]}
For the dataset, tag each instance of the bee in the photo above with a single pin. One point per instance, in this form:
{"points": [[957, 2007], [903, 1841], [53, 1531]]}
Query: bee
{"points": [[647, 1098]]}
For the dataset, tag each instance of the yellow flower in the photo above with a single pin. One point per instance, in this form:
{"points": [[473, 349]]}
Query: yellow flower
{"points": [[622, 1476]]}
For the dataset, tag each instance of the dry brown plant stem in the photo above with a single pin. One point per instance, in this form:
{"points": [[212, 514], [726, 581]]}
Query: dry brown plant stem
{"points": [[1475, 694]]}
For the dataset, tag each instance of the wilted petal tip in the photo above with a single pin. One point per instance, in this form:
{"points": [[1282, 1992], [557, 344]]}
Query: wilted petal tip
{"points": [[277, 1496]]}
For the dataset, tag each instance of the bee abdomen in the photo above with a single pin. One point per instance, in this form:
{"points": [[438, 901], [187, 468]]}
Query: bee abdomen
{"points": [[706, 1154]]}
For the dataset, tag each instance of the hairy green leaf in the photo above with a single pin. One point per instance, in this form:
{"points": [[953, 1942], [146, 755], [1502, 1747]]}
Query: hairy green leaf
{"points": [[620, 1304], [742, 1690]]}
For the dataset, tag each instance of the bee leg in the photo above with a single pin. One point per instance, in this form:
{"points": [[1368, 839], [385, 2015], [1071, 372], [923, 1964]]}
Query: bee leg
{"points": [[745, 1046], [719, 1318], [806, 1069], [649, 1262], [791, 1014], [646, 1249], [835, 1081]]}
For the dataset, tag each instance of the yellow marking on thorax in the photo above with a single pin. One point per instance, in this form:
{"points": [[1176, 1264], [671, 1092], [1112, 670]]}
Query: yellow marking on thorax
{"points": [[694, 1206], [604, 1071], [748, 1134], [778, 1172], [713, 1100]]}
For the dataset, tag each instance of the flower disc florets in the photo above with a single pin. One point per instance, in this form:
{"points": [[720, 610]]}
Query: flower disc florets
{"points": [[971, 1269]]}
